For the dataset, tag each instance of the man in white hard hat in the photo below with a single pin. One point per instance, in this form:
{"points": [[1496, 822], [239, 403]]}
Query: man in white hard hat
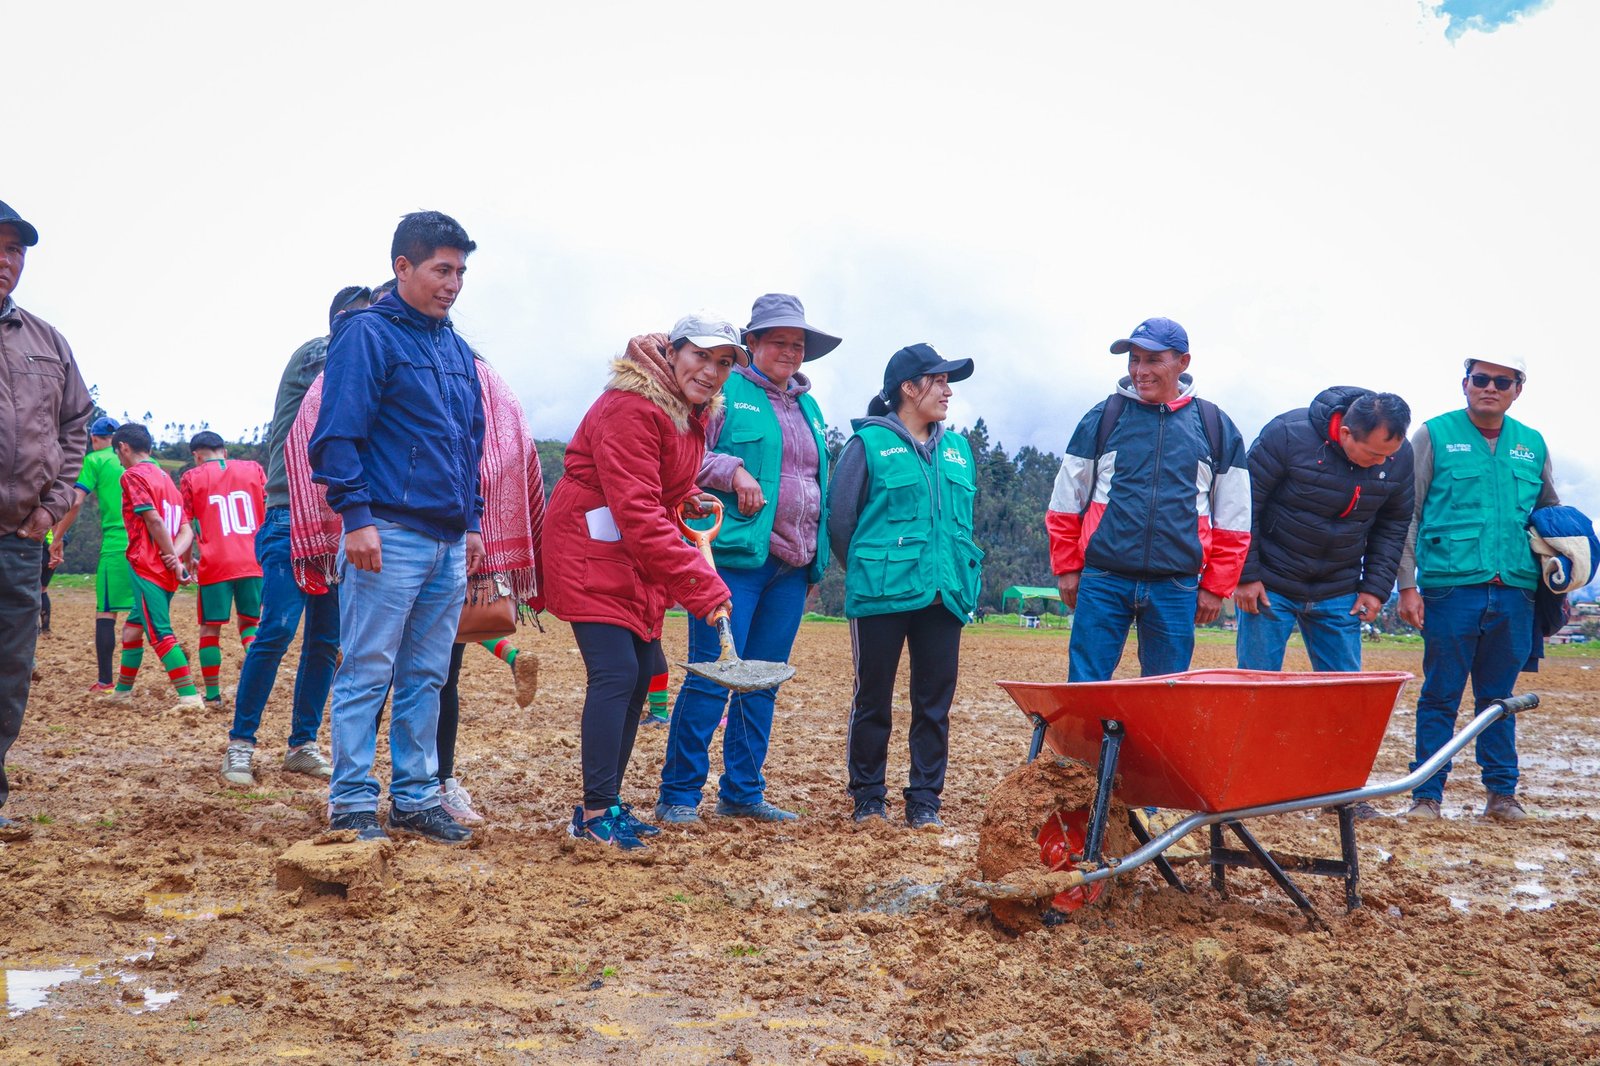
{"points": [[1468, 575]]}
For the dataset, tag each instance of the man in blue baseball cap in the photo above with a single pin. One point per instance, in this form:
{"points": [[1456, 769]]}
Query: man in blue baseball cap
{"points": [[39, 458], [1150, 519]]}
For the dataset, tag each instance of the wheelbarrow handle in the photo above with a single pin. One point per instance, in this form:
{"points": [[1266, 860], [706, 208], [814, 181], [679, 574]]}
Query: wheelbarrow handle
{"points": [[702, 538], [1518, 704]]}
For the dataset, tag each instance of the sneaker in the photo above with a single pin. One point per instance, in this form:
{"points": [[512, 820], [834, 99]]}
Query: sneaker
{"points": [[101, 686], [760, 810], [1504, 808], [656, 716], [430, 823], [1424, 810], [12, 830], [1366, 812], [610, 827], [365, 823], [870, 808], [236, 764], [677, 814], [457, 803], [525, 672], [213, 703], [640, 828], [306, 759], [193, 699], [923, 816], [118, 695]]}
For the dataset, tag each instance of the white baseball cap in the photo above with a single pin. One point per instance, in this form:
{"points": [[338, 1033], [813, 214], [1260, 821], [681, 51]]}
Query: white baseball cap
{"points": [[706, 329]]}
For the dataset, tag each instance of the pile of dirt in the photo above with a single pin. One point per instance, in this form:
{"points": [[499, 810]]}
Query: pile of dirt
{"points": [[145, 920]]}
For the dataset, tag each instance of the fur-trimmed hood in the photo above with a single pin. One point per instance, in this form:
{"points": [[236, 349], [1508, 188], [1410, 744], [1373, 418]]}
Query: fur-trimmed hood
{"points": [[642, 369]]}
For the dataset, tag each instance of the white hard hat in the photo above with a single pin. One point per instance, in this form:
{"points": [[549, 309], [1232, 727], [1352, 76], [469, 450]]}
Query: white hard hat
{"points": [[1511, 362]]}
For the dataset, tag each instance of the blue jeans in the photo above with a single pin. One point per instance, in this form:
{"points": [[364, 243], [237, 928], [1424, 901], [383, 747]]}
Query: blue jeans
{"points": [[1332, 634], [399, 625], [282, 604], [1108, 604], [767, 604], [1483, 632]]}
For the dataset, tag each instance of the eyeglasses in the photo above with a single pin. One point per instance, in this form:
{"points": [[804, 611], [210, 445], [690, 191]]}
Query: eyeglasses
{"points": [[1501, 382]]}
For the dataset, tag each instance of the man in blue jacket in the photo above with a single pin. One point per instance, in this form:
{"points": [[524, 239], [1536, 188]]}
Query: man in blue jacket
{"points": [[397, 443]]}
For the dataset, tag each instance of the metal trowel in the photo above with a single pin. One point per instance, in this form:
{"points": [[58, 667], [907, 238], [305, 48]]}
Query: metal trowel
{"points": [[728, 670]]}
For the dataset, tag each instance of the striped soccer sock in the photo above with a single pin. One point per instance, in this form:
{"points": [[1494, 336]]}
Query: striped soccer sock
{"points": [[210, 665], [247, 630], [132, 656], [503, 650], [177, 665], [656, 699]]}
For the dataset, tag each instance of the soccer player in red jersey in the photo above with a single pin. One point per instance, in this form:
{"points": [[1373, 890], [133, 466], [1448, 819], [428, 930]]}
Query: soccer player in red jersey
{"points": [[224, 500], [158, 539]]}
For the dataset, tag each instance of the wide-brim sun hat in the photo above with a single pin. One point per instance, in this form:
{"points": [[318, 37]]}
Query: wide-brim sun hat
{"points": [[779, 310], [708, 330]]}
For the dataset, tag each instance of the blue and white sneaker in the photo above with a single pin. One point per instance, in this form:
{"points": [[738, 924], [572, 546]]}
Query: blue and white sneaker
{"points": [[610, 827], [641, 828]]}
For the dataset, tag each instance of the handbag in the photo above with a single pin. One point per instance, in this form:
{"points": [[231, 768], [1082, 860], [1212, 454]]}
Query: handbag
{"points": [[483, 617]]}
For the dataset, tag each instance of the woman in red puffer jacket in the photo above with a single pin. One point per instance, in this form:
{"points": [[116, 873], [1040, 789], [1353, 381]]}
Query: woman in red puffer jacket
{"points": [[614, 559]]}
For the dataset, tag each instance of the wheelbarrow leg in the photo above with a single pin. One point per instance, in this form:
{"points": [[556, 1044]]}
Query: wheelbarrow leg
{"points": [[1219, 869], [1269, 864], [1347, 848], [1036, 745], [1165, 867], [1111, 736]]}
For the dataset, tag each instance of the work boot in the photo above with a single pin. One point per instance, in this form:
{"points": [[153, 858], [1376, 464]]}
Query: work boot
{"points": [[236, 764], [306, 759], [1504, 808], [1424, 810]]}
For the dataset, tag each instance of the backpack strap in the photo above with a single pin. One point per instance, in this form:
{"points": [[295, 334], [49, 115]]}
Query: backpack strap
{"points": [[1102, 433], [1212, 417]]}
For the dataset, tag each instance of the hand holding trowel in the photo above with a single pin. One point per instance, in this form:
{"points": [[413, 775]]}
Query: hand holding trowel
{"points": [[728, 670]]}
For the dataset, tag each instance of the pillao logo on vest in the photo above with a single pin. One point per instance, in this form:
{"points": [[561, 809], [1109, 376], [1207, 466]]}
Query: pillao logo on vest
{"points": [[898, 449], [740, 405], [1523, 452], [950, 455]]}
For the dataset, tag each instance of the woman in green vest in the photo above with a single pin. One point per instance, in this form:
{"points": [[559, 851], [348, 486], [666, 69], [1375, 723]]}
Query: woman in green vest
{"points": [[767, 460], [900, 517]]}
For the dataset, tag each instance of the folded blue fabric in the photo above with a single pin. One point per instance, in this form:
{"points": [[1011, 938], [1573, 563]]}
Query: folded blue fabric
{"points": [[1564, 540]]}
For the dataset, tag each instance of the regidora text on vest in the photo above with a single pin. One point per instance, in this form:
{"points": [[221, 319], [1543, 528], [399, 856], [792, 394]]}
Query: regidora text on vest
{"points": [[1474, 521], [750, 432], [913, 539]]}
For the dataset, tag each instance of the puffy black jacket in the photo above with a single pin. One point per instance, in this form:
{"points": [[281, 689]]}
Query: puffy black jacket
{"points": [[1321, 525]]}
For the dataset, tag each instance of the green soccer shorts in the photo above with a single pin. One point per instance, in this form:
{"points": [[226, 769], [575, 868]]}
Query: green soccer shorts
{"points": [[113, 584], [216, 602]]}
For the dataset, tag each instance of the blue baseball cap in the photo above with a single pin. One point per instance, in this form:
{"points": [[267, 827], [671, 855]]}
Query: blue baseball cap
{"points": [[25, 230], [915, 360], [103, 426], [1154, 335]]}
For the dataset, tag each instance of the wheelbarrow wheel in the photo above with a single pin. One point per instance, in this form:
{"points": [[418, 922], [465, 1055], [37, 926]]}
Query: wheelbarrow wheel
{"points": [[1036, 822]]}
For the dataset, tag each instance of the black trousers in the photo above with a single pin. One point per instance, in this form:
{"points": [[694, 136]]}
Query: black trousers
{"points": [[450, 716], [619, 665], [19, 636], [934, 636]]}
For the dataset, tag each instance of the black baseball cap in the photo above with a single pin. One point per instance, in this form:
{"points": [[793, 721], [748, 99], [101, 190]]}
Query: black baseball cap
{"points": [[915, 360], [25, 230]]}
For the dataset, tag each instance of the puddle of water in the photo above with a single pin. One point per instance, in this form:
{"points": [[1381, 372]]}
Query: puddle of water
{"points": [[154, 1000], [1527, 867], [25, 990], [1460, 903], [163, 904]]}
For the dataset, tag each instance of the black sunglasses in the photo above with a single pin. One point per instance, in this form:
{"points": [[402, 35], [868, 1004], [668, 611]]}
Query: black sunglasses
{"points": [[1501, 382]]}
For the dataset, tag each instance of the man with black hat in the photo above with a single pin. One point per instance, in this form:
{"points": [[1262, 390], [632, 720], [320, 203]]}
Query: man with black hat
{"points": [[101, 477], [767, 461], [1150, 519], [44, 409]]}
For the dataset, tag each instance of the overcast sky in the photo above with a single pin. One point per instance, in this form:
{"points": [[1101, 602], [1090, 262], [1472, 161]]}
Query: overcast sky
{"points": [[1355, 193]]}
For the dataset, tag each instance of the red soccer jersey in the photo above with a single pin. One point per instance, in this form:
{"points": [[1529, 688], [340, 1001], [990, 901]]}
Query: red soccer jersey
{"points": [[146, 487], [228, 498]]}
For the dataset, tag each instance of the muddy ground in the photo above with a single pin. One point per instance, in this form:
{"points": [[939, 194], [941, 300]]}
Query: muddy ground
{"points": [[143, 922]]}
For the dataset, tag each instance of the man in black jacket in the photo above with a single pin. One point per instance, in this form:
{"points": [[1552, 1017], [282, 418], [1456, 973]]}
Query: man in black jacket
{"points": [[1332, 493]]}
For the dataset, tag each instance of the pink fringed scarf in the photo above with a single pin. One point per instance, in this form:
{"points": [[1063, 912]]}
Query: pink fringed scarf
{"points": [[513, 494]]}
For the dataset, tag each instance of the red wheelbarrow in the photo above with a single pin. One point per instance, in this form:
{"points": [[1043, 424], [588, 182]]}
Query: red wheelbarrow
{"points": [[1228, 744]]}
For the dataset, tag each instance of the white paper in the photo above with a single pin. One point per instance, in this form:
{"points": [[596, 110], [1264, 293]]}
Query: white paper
{"points": [[601, 525]]}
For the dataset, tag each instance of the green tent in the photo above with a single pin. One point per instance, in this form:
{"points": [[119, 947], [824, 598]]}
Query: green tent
{"points": [[1023, 593]]}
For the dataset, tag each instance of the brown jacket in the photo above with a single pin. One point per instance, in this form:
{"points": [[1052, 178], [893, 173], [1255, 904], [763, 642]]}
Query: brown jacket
{"points": [[44, 414]]}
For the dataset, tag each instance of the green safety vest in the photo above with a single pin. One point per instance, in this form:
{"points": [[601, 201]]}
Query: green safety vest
{"points": [[750, 431], [1474, 524], [913, 539]]}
